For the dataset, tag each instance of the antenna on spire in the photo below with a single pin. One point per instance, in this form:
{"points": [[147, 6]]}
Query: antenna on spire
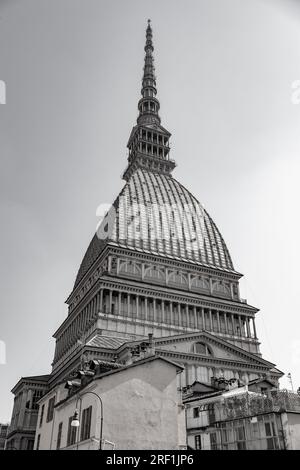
{"points": [[148, 104], [148, 143]]}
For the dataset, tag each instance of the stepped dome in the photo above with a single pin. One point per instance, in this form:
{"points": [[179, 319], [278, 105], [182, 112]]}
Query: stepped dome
{"points": [[155, 214]]}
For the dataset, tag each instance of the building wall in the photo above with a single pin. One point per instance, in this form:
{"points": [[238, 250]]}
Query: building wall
{"points": [[3, 434], [291, 426], [141, 410], [24, 417]]}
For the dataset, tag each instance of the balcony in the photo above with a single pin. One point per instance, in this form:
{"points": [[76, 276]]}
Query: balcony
{"points": [[247, 405]]}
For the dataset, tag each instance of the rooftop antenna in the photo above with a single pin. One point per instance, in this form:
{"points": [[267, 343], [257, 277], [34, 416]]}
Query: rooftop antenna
{"points": [[289, 376]]}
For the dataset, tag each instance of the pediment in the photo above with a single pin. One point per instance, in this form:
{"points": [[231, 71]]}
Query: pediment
{"points": [[217, 348]]}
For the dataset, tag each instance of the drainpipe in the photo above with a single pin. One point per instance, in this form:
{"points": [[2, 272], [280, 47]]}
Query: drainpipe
{"points": [[54, 413], [283, 433]]}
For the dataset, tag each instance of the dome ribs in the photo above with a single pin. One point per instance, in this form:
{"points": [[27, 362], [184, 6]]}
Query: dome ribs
{"points": [[199, 241]]}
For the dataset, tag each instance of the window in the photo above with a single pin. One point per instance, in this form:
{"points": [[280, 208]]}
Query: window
{"points": [[37, 394], [71, 438], [86, 423], [59, 432], [240, 437], [211, 414], [196, 412], [198, 442], [50, 411], [30, 444], [201, 348], [42, 415], [271, 435], [38, 442], [213, 441]]}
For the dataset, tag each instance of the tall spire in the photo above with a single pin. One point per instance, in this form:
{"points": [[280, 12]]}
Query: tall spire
{"points": [[148, 143], [148, 105]]}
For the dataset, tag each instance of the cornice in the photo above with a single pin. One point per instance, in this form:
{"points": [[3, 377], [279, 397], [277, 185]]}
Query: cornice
{"points": [[169, 260], [210, 338], [211, 361], [168, 293]]}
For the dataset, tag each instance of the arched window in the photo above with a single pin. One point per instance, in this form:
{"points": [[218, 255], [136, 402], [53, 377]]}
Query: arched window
{"points": [[202, 348]]}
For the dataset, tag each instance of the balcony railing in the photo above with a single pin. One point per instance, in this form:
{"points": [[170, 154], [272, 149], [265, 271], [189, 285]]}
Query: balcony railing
{"points": [[250, 404]]}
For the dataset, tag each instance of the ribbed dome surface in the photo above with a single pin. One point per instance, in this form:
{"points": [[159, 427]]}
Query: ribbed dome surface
{"points": [[156, 214]]}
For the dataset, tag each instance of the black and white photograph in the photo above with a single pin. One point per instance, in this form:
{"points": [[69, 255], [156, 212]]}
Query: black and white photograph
{"points": [[149, 242]]}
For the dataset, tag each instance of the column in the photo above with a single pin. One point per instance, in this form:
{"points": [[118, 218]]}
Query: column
{"points": [[97, 302], [185, 376], [254, 329], [179, 314], [128, 305], [210, 320], [248, 328], [187, 314], [163, 311], [89, 310], [110, 301], [146, 308], [203, 319], [101, 300], [171, 313], [233, 324], [226, 324], [119, 302], [195, 318], [218, 319], [241, 326], [137, 305], [154, 311]]}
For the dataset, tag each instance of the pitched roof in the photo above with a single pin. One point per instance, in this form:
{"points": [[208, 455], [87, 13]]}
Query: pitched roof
{"points": [[31, 379], [106, 342], [212, 337]]}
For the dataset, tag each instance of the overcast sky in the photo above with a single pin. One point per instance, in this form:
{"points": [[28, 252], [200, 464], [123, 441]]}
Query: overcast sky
{"points": [[73, 72]]}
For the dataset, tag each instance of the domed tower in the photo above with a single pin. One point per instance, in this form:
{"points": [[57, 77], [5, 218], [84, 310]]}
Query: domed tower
{"points": [[158, 265]]}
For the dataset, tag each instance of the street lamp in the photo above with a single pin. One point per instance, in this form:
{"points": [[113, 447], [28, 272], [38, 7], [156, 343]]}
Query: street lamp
{"points": [[76, 423]]}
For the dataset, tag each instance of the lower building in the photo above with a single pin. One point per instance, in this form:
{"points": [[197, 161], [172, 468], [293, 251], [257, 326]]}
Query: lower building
{"points": [[21, 431], [252, 417], [3, 435], [136, 406]]}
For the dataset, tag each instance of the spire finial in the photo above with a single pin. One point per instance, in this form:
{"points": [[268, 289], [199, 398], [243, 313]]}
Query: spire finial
{"points": [[149, 104], [148, 143]]}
